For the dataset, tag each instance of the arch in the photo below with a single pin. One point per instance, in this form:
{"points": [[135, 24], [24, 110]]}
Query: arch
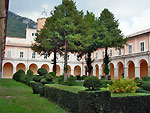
{"points": [[21, 66], [69, 70], [111, 72], [8, 70], [57, 70], [103, 66], [46, 67], [143, 68], [91, 74], [77, 70], [131, 70], [97, 70], [34, 68], [120, 69], [85, 70]]}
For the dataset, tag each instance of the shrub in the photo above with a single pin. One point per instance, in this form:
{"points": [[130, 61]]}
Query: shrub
{"points": [[105, 82], [109, 77], [84, 77], [37, 78], [141, 91], [53, 74], [29, 72], [48, 77], [70, 81], [92, 83], [42, 71], [35, 87], [137, 78], [61, 79], [146, 78], [19, 75], [78, 77], [123, 86], [146, 86], [102, 77]]}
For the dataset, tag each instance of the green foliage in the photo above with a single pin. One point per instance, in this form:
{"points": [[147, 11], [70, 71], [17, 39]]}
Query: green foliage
{"points": [[49, 77], [105, 82], [84, 77], [35, 87], [123, 86], [92, 83], [137, 78], [78, 77], [94, 102], [19, 75], [70, 81], [42, 71], [102, 77], [29, 72], [37, 78], [141, 91], [65, 99], [146, 78], [146, 86], [53, 74], [61, 79]]}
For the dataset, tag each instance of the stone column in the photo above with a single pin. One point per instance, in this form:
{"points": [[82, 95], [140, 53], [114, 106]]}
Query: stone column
{"points": [[137, 72], [94, 72], [14, 70], [100, 73], [148, 70], [125, 72], [61, 71], [115, 72], [72, 71]]}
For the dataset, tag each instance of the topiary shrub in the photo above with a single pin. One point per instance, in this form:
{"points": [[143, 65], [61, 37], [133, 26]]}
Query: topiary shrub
{"points": [[29, 72], [70, 81], [19, 75], [146, 78], [37, 78], [105, 82], [84, 77], [42, 71], [123, 86], [78, 77], [53, 74], [146, 86], [92, 83], [61, 79], [49, 77], [137, 78]]}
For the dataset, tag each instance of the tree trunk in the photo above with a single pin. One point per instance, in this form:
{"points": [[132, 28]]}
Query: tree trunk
{"points": [[89, 64], [54, 69], [65, 59], [106, 62]]}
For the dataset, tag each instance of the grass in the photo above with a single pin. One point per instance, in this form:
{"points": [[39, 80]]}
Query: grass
{"points": [[128, 94], [16, 97]]}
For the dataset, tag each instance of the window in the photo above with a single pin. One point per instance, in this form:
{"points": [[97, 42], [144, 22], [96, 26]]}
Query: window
{"points": [[142, 46], [8, 53], [21, 54], [33, 55], [96, 55], [103, 54], [110, 54], [45, 55], [130, 48], [32, 34], [68, 57], [119, 52]]}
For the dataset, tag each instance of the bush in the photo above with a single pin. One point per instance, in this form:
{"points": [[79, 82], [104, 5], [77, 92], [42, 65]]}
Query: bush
{"points": [[141, 91], [146, 78], [123, 86], [48, 77], [146, 86], [35, 87], [105, 82], [29, 72], [78, 77], [42, 71], [70, 81], [92, 83], [61, 79], [67, 100], [137, 78], [94, 102], [102, 77], [84, 77], [53, 74], [37, 78], [19, 75]]}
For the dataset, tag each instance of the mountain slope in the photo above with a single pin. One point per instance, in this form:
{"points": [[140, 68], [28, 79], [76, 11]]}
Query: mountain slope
{"points": [[16, 25]]}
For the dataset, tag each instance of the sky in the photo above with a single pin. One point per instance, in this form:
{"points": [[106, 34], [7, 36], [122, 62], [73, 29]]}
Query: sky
{"points": [[133, 15]]}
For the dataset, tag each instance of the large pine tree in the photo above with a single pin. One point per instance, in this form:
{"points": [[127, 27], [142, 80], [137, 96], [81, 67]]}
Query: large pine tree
{"points": [[113, 37]]}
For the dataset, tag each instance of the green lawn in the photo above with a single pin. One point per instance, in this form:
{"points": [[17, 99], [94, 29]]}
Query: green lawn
{"points": [[16, 97]]}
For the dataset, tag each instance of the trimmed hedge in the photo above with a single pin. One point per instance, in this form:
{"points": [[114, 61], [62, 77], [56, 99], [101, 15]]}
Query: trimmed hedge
{"points": [[94, 102], [105, 82], [65, 99], [146, 86], [130, 104]]}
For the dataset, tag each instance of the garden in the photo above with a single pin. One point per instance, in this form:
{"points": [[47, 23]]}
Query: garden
{"points": [[82, 94]]}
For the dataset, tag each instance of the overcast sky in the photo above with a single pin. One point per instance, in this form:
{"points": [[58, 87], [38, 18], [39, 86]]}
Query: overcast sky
{"points": [[133, 15]]}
